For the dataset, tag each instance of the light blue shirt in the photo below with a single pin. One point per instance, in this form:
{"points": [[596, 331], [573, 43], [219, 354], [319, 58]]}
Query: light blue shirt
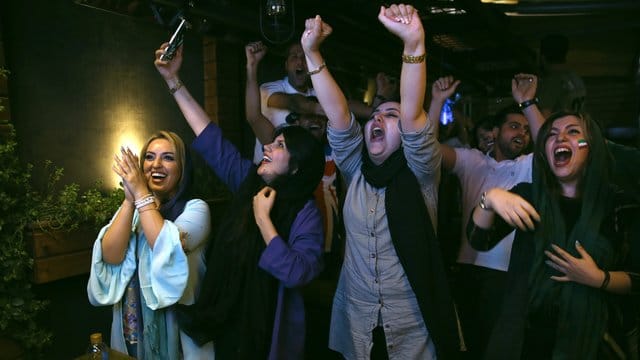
{"points": [[166, 274], [373, 289]]}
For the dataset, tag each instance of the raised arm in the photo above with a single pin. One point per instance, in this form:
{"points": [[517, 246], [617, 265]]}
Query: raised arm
{"points": [[294, 102], [523, 89], [442, 89], [192, 111], [404, 22], [116, 238], [261, 126], [329, 94]]}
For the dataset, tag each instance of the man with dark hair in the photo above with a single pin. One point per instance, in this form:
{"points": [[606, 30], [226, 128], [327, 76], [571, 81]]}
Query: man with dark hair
{"points": [[479, 283], [290, 94]]}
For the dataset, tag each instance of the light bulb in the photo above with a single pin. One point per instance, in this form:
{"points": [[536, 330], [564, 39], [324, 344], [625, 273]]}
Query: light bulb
{"points": [[276, 7]]}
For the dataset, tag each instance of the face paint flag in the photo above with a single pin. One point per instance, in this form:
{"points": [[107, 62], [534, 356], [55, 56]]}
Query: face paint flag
{"points": [[582, 143]]}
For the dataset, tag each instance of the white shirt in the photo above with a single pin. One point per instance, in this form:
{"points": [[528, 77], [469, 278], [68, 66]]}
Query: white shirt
{"points": [[478, 173], [275, 115]]}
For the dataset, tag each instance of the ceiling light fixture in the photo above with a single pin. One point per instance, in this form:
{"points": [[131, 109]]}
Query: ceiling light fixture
{"points": [[277, 20], [500, 2]]}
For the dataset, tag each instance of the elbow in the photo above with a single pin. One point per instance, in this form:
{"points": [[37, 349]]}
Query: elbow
{"points": [[302, 274]]}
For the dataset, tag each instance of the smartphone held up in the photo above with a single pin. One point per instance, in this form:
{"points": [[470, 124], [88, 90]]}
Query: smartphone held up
{"points": [[175, 41]]}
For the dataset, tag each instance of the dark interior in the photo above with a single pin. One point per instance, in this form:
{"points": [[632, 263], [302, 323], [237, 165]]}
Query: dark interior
{"points": [[82, 73]]}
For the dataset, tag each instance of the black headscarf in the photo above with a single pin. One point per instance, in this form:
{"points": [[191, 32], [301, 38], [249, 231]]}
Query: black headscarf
{"points": [[582, 310], [415, 242], [236, 306]]}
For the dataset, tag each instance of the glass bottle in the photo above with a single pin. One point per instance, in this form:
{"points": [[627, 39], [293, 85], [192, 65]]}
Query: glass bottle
{"points": [[97, 350]]}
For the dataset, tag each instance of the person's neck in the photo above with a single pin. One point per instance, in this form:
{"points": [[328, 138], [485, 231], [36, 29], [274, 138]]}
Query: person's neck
{"points": [[497, 155], [301, 89], [569, 189]]}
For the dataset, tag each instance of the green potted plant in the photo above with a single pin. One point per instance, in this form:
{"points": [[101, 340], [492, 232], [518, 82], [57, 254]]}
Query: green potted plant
{"points": [[55, 226]]}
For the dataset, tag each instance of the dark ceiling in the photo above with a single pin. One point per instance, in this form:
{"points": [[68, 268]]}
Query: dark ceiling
{"points": [[482, 43]]}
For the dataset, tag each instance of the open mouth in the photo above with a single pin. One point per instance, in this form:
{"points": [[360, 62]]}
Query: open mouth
{"points": [[300, 72], [519, 141], [561, 156], [158, 176], [377, 133], [266, 159]]}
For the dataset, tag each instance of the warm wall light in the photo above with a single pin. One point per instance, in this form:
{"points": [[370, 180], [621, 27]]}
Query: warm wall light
{"points": [[130, 139], [371, 91], [128, 132]]}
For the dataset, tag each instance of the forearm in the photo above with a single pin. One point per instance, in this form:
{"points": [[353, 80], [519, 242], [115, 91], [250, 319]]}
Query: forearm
{"points": [[435, 108], [195, 115], [329, 94], [261, 126], [152, 222], [619, 282], [294, 102], [267, 229], [116, 238], [483, 218], [535, 119], [413, 79]]}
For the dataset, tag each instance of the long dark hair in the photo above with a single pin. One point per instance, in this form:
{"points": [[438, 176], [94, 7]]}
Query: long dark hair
{"points": [[582, 309], [173, 207], [238, 299]]}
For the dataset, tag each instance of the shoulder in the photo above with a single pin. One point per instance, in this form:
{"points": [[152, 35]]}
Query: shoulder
{"points": [[310, 208], [277, 84], [470, 153], [196, 205]]}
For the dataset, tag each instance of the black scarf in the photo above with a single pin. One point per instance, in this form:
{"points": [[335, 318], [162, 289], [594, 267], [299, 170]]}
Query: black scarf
{"points": [[236, 306], [415, 242]]}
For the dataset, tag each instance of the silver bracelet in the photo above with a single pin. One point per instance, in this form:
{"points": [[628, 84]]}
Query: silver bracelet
{"points": [[483, 199], [146, 200]]}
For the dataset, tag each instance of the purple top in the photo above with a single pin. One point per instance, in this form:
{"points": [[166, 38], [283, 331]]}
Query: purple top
{"points": [[294, 262]]}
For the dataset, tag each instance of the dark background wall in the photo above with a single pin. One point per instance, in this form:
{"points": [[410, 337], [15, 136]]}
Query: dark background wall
{"points": [[82, 81]]}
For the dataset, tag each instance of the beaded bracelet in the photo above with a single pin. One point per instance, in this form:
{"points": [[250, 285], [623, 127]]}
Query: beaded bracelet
{"points": [[313, 72], [411, 59], [144, 201], [140, 211]]}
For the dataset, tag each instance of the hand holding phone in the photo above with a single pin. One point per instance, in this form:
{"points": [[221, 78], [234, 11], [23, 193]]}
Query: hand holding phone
{"points": [[175, 41]]}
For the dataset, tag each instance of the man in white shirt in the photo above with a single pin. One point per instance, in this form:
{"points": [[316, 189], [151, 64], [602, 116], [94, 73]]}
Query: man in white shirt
{"points": [[290, 94], [479, 283]]}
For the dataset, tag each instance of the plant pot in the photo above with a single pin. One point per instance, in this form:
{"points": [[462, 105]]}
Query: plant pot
{"points": [[58, 254], [10, 349]]}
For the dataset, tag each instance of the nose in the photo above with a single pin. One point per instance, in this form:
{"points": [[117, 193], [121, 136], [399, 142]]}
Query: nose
{"points": [[157, 162]]}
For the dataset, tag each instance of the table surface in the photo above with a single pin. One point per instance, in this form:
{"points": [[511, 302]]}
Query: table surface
{"points": [[113, 355]]}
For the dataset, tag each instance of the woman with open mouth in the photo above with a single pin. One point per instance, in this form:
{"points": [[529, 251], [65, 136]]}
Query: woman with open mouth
{"points": [[151, 254], [392, 299], [571, 253], [268, 245]]}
